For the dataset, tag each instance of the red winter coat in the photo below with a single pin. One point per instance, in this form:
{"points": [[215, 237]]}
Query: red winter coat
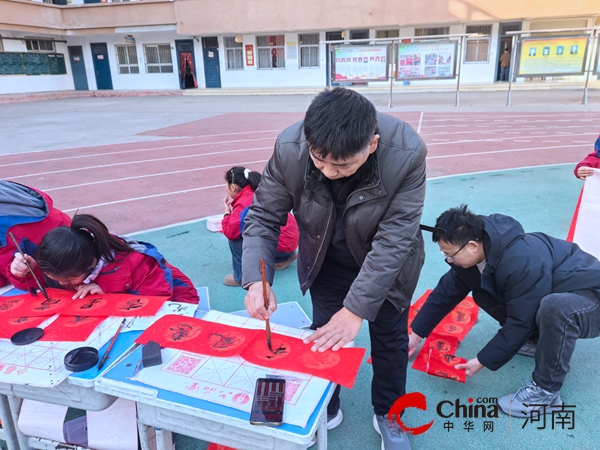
{"points": [[28, 231], [590, 160], [136, 273], [233, 224]]}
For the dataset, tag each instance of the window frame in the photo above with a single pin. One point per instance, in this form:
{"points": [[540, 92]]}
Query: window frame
{"points": [[159, 64], [478, 41], [280, 47], [234, 50], [316, 47], [31, 43], [129, 66]]}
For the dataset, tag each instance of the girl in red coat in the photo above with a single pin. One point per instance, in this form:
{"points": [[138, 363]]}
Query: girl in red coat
{"points": [[240, 184], [86, 258], [592, 161]]}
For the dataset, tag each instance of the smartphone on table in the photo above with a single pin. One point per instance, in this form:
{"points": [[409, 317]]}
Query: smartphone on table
{"points": [[267, 406]]}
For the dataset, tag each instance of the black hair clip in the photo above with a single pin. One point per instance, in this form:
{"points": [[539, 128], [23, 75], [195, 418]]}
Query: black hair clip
{"points": [[432, 229]]}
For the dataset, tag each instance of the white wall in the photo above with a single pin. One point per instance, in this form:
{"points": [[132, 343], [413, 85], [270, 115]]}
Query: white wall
{"points": [[290, 76], [143, 80]]}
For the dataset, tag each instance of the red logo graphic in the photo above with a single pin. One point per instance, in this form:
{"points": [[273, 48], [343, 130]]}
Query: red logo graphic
{"points": [[410, 400]]}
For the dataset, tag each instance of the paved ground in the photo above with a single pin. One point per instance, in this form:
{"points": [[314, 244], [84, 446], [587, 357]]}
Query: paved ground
{"points": [[143, 163]]}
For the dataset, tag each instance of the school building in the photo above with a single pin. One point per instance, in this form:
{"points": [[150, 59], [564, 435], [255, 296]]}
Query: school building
{"points": [[56, 45]]}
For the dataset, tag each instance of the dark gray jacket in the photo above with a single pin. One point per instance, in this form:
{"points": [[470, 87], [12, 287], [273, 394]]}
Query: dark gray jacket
{"points": [[381, 218], [521, 269]]}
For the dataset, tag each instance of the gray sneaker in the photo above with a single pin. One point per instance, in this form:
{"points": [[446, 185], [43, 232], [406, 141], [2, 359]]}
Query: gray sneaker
{"points": [[392, 436], [528, 349], [529, 398]]}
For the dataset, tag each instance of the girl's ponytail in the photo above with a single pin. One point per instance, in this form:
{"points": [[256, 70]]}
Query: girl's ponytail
{"points": [[243, 177], [73, 251]]}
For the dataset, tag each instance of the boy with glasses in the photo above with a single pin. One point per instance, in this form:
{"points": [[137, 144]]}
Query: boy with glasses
{"points": [[540, 289]]}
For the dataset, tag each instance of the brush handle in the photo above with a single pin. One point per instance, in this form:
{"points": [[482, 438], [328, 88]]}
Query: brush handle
{"points": [[12, 236]]}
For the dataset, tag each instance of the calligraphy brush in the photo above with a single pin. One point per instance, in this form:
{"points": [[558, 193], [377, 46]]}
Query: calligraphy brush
{"points": [[12, 236], [112, 342], [264, 286]]}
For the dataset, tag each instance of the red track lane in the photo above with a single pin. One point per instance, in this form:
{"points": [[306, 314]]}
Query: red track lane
{"points": [[144, 185]]}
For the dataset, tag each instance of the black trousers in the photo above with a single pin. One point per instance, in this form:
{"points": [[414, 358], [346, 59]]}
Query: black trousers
{"points": [[388, 333]]}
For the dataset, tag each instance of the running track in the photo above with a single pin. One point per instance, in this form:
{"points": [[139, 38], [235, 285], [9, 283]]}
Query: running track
{"points": [[141, 186]]}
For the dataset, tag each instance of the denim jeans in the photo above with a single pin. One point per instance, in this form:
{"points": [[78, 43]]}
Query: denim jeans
{"points": [[504, 73], [562, 319], [236, 246], [388, 333]]}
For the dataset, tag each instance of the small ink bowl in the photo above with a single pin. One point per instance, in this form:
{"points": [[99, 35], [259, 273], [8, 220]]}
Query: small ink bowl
{"points": [[81, 358], [27, 336]]}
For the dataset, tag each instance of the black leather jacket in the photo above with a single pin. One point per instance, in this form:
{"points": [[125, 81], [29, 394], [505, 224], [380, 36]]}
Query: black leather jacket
{"points": [[381, 218]]}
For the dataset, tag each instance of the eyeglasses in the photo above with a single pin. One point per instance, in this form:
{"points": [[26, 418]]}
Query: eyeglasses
{"points": [[450, 258]]}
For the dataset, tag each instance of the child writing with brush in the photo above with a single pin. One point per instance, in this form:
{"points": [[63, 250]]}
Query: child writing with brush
{"points": [[87, 258]]}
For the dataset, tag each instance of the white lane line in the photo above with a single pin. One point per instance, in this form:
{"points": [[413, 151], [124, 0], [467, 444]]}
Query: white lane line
{"points": [[503, 151], [159, 174], [196, 155], [123, 152], [420, 122], [164, 194]]}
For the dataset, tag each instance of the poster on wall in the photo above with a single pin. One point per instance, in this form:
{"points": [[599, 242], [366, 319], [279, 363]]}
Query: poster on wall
{"points": [[540, 57], [426, 60], [360, 63]]}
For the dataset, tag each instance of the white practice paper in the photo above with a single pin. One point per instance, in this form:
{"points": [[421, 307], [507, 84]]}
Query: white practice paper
{"points": [[231, 381], [42, 363], [115, 428], [43, 420], [586, 227]]}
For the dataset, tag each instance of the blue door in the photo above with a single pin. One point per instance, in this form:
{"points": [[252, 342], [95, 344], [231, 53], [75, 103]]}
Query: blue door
{"points": [[212, 74], [78, 68], [101, 66]]}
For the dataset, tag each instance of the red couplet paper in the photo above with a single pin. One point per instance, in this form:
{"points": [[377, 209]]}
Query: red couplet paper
{"points": [[458, 323], [71, 328], [25, 305], [10, 325], [215, 339], [120, 305], [440, 343], [442, 365]]}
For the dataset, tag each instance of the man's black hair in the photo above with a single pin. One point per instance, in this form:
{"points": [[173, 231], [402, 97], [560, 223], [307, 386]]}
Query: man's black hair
{"points": [[340, 123], [460, 226]]}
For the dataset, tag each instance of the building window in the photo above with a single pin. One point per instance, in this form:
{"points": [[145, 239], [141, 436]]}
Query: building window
{"points": [[127, 60], [381, 34], [309, 50], [359, 34], [39, 46], [158, 58], [478, 48], [432, 31], [234, 54], [271, 52]]}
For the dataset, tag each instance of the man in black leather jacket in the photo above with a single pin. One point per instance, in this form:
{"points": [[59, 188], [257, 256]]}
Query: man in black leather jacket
{"points": [[355, 181], [538, 288]]}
